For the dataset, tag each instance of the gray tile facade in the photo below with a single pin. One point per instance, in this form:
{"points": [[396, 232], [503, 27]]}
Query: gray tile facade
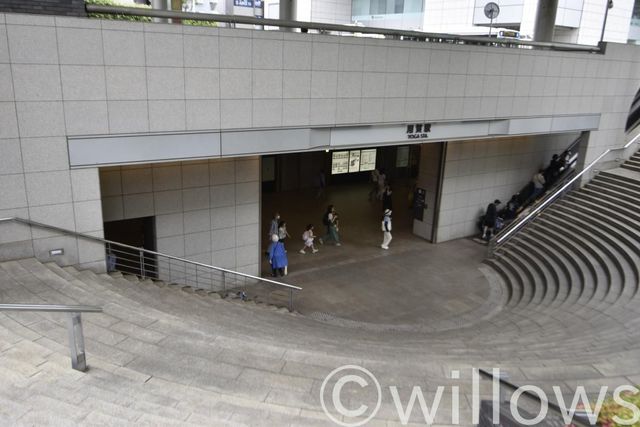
{"points": [[68, 77], [206, 211]]}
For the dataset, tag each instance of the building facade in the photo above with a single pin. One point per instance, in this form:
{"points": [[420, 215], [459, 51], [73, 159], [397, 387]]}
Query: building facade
{"points": [[105, 120]]}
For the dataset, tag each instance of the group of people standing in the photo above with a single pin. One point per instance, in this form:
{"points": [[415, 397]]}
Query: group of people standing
{"points": [[278, 233], [277, 253]]}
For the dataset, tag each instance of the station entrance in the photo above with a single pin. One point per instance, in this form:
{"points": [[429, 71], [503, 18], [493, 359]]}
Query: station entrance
{"points": [[301, 186]]}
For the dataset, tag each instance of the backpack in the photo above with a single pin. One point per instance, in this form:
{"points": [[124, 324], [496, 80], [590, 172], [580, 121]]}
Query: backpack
{"points": [[325, 219]]}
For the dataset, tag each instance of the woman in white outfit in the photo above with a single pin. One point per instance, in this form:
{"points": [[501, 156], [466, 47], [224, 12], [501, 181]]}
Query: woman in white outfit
{"points": [[386, 229]]}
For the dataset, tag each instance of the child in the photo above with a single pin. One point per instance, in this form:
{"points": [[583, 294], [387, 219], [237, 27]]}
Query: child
{"points": [[308, 237]]}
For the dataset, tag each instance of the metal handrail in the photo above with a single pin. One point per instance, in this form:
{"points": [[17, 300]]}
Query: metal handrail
{"points": [[577, 419], [51, 307], [147, 251], [521, 222], [419, 35], [74, 326]]}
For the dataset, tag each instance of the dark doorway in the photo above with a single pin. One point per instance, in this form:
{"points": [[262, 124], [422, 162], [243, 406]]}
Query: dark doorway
{"points": [[297, 171], [136, 232]]}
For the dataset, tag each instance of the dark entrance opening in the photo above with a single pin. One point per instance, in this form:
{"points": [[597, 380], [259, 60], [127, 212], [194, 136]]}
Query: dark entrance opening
{"points": [[136, 232], [290, 186]]}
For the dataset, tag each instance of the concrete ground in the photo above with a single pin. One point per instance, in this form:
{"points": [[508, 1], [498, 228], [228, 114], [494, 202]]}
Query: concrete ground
{"points": [[413, 284]]}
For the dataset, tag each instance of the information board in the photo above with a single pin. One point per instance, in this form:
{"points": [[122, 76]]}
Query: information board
{"points": [[354, 161], [339, 162], [367, 160]]}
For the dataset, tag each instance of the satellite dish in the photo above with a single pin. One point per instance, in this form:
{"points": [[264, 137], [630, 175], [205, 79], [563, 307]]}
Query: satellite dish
{"points": [[491, 10]]}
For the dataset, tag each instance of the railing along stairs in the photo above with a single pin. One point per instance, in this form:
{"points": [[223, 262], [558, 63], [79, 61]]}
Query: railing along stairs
{"points": [[560, 190], [149, 264]]}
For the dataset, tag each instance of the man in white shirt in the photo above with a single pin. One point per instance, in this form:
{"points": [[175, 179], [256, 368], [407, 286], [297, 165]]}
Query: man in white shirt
{"points": [[386, 229]]}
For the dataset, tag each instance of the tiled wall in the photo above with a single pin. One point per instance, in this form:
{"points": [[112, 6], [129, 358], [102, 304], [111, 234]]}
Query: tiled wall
{"points": [[206, 211], [62, 77], [478, 172]]}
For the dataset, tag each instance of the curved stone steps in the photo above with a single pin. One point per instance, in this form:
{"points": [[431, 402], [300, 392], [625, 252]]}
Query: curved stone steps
{"points": [[504, 280], [604, 270], [585, 231], [442, 345], [614, 185], [513, 277], [628, 227], [548, 267], [525, 276], [179, 293], [175, 291], [593, 277], [567, 256], [532, 278], [599, 258], [541, 278], [608, 196], [620, 197], [603, 205], [620, 175], [559, 269], [624, 231], [614, 234]]}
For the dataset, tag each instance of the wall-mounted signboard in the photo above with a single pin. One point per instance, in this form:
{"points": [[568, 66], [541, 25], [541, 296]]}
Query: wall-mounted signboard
{"points": [[367, 160], [353, 161], [339, 162]]}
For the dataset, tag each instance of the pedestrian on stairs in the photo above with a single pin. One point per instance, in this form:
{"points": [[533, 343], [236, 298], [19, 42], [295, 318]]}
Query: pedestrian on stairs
{"points": [[490, 218]]}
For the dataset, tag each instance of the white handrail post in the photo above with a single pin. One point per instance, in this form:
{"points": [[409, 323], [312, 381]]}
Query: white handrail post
{"points": [[76, 342]]}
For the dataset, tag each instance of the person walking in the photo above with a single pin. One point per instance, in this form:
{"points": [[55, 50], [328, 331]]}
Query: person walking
{"points": [[386, 199], [273, 229], [308, 238], [375, 175], [386, 229], [330, 221], [282, 230], [382, 183], [277, 257]]}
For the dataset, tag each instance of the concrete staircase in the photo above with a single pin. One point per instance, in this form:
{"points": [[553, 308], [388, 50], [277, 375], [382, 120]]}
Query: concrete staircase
{"points": [[580, 260], [165, 355]]}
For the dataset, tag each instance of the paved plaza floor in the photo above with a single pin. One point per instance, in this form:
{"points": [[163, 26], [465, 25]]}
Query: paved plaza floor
{"points": [[359, 284]]}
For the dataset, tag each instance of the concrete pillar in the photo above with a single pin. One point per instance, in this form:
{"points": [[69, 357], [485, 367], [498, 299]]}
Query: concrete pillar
{"points": [[545, 20], [160, 5], [287, 12]]}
